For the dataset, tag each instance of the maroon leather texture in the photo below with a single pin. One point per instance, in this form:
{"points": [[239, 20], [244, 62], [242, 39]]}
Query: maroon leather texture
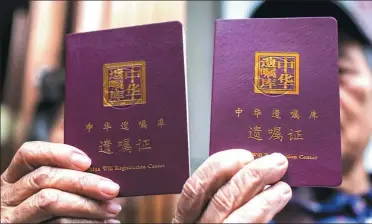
{"points": [[144, 145], [264, 121]]}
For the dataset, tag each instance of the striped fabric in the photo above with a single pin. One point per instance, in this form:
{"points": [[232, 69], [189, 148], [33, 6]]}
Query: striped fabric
{"points": [[338, 207]]}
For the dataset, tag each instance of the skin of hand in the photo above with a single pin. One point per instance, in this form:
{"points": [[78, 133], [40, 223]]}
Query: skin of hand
{"points": [[46, 182], [231, 186]]}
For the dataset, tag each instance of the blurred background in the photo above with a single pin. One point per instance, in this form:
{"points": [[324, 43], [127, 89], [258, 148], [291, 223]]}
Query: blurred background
{"points": [[32, 70]]}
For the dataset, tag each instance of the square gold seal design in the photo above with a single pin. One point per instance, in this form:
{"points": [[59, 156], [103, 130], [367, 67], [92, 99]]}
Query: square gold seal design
{"points": [[277, 73], [124, 83]]}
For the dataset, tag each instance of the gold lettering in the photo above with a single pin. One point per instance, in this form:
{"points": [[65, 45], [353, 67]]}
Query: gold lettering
{"points": [[132, 74], [286, 80], [125, 146], [259, 154], [143, 144], [94, 169], [117, 73], [255, 133], [125, 168], [268, 72], [157, 166], [276, 114], [107, 126], [124, 83], [285, 66], [140, 167], [285, 62], [125, 125], [143, 124], [313, 115], [275, 134], [295, 135], [290, 156], [105, 147], [257, 112], [89, 126], [108, 168], [238, 111], [116, 95], [268, 83], [133, 90], [295, 114], [116, 84], [308, 157], [161, 123], [276, 73], [269, 62]]}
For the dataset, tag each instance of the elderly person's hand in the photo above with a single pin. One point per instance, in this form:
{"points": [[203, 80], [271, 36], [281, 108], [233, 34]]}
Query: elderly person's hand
{"points": [[232, 187], [45, 181]]}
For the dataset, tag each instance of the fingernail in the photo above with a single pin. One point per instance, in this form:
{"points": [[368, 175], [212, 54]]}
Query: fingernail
{"points": [[112, 221], [278, 159], [113, 208], [285, 189], [80, 161], [108, 187]]}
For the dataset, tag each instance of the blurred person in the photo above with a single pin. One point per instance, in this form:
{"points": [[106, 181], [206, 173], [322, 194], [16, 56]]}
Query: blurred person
{"points": [[51, 85], [352, 201]]}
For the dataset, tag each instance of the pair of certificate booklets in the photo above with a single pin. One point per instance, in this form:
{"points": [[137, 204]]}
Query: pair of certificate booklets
{"points": [[275, 89]]}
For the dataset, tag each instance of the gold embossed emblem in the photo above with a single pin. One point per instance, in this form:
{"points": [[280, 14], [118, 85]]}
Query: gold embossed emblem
{"points": [[124, 83], [277, 73]]}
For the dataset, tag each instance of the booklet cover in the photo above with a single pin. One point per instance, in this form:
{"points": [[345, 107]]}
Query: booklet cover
{"points": [[276, 89], [126, 106]]}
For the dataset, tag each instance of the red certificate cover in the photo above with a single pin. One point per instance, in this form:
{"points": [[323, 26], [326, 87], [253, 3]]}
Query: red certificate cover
{"points": [[276, 89], [126, 106]]}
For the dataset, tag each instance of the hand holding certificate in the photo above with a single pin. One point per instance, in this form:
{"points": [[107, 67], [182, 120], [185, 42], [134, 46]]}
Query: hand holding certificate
{"points": [[231, 187]]}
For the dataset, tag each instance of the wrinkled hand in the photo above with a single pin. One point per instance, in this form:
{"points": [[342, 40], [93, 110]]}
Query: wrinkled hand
{"points": [[45, 181], [230, 187]]}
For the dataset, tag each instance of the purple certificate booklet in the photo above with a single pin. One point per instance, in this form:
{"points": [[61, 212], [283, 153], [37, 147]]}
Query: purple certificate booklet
{"points": [[126, 106], [276, 89]]}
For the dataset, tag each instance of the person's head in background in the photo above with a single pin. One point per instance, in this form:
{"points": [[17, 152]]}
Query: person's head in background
{"points": [[355, 83]]}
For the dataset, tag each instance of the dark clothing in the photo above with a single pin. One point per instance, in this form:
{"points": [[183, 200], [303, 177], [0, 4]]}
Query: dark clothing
{"points": [[326, 205]]}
